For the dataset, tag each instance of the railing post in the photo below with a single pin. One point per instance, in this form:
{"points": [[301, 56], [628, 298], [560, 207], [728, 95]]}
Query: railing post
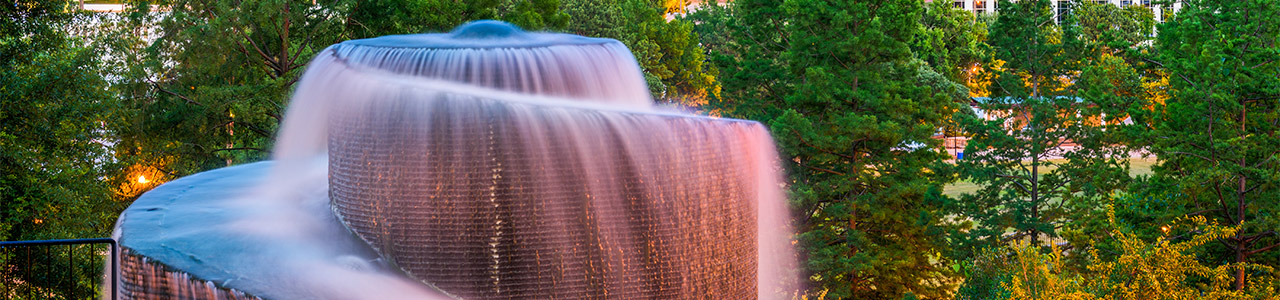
{"points": [[115, 270]]}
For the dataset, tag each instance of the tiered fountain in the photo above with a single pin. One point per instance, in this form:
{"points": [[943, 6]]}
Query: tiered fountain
{"points": [[485, 163]]}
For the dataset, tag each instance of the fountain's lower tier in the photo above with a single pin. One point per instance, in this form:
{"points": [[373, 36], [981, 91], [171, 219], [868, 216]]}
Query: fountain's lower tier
{"points": [[222, 234], [490, 199]]}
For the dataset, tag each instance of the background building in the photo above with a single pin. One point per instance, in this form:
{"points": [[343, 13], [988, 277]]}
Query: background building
{"points": [[1061, 7]]}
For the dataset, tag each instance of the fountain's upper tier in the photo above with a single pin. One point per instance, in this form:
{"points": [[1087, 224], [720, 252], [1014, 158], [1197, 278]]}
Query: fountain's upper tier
{"points": [[485, 34], [498, 55]]}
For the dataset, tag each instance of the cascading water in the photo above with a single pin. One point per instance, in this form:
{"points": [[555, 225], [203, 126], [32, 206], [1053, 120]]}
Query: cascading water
{"points": [[482, 163], [487, 54]]}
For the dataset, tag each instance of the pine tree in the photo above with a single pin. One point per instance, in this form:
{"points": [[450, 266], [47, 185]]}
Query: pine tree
{"points": [[1046, 149], [857, 128], [1216, 135]]}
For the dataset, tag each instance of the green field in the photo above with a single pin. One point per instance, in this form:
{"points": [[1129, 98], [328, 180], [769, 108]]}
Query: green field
{"points": [[1137, 166]]}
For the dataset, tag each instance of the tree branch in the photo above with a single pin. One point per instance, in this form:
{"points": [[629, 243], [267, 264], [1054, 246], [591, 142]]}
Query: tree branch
{"points": [[166, 91]]}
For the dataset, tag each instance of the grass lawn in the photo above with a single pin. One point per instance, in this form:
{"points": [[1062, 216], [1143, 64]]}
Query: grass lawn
{"points": [[1137, 166]]}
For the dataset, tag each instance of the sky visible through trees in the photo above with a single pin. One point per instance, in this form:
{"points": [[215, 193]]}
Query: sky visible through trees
{"points": [[861, 96]]}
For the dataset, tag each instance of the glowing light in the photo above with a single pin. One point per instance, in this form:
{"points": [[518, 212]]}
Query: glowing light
{"points": [[142, 179], [1165, 228]]}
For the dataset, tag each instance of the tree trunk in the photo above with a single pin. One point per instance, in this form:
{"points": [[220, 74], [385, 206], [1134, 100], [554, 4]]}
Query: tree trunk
{"points": [[1241, 244], [1035, 197]]}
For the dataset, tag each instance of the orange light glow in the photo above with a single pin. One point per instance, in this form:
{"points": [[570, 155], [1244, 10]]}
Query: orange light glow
{"points": [[142, 179]]}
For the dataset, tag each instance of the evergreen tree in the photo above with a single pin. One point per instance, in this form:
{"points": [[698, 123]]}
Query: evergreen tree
{"points": [[745, 43], [669, 54], [1216, 135], [857, 128], [595, 18], [1044, 153]]}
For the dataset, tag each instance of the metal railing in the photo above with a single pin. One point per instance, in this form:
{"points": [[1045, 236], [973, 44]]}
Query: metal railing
{"points": [[47, 269]]}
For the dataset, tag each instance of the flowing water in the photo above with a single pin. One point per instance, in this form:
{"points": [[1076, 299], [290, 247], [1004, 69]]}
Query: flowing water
{"points": [[490, 163]]}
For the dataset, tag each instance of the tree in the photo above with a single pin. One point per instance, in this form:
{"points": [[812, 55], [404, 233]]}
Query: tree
{"points": [[1215, 137], [668, 50], [372, 18], [53, 142], [1043, 154], [210, 88], [536, 14], [745, 43], [857, 127], [669, 54], [595, 18]]}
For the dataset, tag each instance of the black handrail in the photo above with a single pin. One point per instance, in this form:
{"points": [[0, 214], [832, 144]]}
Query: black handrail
{"points": [[115, 259]]}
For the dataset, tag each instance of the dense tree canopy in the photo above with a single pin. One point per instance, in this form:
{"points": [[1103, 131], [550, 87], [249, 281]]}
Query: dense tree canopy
{"points": [[856, 93], [56, 170], [53, 147]]}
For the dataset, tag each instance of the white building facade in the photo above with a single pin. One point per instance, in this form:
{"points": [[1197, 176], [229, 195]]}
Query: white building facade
{"points": [[1061, 7]]}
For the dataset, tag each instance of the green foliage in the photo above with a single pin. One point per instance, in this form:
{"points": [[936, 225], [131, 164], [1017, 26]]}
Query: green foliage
{"points": [[857, 126], [1053, 146], [853, 91], [1110, 28], [1216, 134], [597, 18], [668, 54], [373, 18], [746, 42], [952, 40], [536, 14], [667, 50], [1033, 50], [210, 88], [53, 157], [853, 110]]}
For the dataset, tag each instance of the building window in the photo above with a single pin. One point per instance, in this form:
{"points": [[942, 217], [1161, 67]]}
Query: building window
{"points": [[1064, 8], [1125, 3], [958, 4], [979, 6]]}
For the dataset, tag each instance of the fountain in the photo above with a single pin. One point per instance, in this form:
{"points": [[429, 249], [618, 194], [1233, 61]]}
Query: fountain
{"points": [[484, 163]]}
